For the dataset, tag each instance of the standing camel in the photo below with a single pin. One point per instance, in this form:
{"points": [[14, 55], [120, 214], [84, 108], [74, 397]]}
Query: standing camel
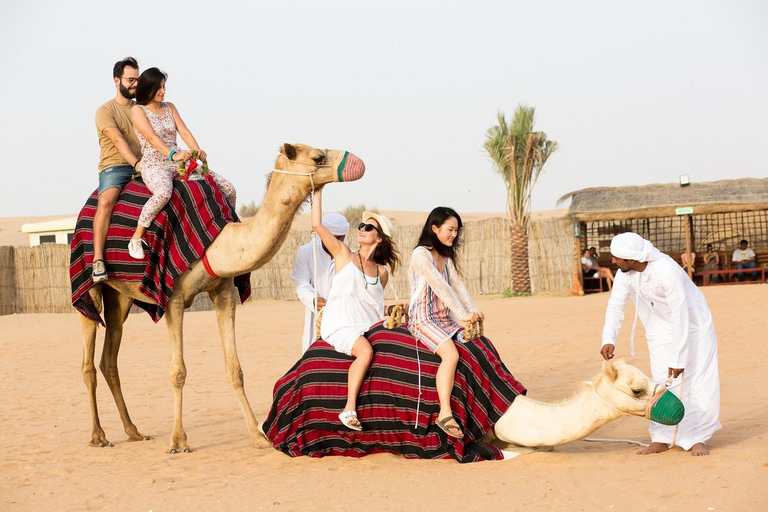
{"points": [[239, 248]]}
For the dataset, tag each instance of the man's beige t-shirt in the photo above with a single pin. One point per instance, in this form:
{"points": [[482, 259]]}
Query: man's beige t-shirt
{"points": [[113, 114]]}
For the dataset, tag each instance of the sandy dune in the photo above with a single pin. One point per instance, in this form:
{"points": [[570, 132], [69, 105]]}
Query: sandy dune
{"points": [[550, 343]]}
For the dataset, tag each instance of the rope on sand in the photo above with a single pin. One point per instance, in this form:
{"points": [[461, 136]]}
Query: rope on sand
{"points": [[606, 440]]}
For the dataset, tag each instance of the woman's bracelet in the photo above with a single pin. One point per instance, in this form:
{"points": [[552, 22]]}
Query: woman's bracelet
{"points": [[170, 155]]}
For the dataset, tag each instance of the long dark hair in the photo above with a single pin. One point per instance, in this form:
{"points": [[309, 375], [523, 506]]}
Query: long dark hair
{"points": [[386, 253], [150, 82], [428, 238]]}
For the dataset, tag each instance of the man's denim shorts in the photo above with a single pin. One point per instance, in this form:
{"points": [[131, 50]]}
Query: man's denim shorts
{"points": [[116, 177]]}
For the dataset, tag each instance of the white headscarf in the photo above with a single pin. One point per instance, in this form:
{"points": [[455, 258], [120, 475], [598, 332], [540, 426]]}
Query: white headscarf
{"points": [[631, 246], [336, 223]]}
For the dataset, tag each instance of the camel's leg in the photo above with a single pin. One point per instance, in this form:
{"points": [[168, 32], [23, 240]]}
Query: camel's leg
{"points": [[174, 320], [116, 308], [225, 301], [98, 438]]}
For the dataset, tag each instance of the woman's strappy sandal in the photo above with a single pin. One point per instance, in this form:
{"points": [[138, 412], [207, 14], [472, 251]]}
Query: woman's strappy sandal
{"points": [[443, 424], [349, 418]]}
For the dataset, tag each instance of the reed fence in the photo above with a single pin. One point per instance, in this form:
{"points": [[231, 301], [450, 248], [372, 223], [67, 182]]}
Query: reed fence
{"points": [[36, 279]]}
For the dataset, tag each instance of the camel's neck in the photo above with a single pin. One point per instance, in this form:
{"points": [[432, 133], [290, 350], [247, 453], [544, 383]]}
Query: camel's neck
{"points": [[244, 247], [531, 423]]}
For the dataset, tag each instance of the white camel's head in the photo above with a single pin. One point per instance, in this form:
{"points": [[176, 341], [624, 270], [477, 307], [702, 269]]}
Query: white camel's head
{"points": [[324, 165], [625, 387]]}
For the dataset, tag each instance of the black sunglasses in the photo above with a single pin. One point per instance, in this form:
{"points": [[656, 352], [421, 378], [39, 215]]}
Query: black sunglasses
{"points": [[367, 227]]}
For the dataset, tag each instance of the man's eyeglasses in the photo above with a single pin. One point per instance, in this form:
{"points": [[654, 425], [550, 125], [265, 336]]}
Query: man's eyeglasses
{"points": [[130, 79], [367, 227]]}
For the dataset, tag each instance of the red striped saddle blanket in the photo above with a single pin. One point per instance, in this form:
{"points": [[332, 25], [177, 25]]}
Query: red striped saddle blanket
{"points": [[193, 217], [397, 404]]}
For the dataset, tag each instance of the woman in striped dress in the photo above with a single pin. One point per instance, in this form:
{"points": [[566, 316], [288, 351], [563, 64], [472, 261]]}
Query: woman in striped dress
{"points": [[438, 301]]}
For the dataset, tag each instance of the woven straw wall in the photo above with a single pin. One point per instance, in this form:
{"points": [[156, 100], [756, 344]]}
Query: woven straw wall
{"points": [[42, 279], [550, 254], [36, 279], [7, 281]]}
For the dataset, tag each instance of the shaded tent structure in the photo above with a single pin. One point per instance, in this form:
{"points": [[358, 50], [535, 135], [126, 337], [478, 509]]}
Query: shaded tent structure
{"points": [[674, 218]]}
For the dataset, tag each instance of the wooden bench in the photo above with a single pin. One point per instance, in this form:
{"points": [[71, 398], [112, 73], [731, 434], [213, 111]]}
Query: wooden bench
{"points": [[594, 284], [728, 272], [731, 276]]}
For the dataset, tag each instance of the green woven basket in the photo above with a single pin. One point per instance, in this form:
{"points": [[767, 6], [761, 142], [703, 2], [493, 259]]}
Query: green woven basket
{"points": [[669, 410]]}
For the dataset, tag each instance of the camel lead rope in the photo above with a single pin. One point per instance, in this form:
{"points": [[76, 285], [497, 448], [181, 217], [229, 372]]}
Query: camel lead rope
{"points": [[677, 427]]}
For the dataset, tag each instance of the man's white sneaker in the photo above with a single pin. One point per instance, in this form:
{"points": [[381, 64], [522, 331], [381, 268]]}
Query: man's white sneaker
{"points": [[98, 271], [135, 249]]}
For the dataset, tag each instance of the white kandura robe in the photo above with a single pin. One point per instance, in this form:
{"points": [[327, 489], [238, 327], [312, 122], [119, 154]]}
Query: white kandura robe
{"points": [[303, 281], [680, 334]]}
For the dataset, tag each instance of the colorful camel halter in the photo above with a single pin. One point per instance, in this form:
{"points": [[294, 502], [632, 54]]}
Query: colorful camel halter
{"points": [[311, 197]]}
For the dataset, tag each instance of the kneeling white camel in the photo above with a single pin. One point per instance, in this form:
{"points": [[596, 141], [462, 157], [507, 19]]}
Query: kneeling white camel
{"points": [[619, 390]]}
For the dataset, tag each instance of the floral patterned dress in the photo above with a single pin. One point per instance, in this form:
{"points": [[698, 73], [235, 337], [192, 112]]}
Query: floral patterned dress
{"points": [[158, 172]]}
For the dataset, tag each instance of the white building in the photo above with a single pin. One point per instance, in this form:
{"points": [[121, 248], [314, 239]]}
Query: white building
{"points": [[52, 232]]}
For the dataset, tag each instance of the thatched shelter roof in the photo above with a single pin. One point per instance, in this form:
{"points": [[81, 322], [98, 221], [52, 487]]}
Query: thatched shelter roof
{"points": [[650, 201]]}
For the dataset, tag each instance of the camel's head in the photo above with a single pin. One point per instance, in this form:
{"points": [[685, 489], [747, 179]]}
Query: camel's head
{"points": [[325, 165], [631, 391]]}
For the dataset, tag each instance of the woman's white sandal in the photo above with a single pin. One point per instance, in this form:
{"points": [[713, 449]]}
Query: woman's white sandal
{"points": [[348, 417]]}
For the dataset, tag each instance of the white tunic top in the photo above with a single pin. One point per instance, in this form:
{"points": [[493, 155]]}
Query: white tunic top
{"points": [[303, 281], [352, 308], [680, 334]]}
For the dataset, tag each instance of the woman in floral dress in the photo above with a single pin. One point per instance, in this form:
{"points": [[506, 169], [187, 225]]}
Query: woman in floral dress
{"points": [[156, 123]]}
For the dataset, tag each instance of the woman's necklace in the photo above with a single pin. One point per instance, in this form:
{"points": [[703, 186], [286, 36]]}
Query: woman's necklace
{"points": [[365, 277]]}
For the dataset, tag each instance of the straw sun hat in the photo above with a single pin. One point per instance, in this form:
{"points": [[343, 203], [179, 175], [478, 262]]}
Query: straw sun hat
{"points": [[384, 223]]}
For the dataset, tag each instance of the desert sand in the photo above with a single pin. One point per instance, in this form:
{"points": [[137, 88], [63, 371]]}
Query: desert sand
{"points": [[549, 342]]}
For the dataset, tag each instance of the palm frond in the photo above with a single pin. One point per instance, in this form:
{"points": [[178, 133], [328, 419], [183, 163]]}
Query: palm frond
{"points": [[519, 154]]}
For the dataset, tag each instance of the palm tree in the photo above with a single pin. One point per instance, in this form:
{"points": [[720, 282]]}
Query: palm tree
{"points": [[519, 154]]}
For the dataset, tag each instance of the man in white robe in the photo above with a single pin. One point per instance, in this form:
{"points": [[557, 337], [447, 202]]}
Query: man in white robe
{"points": [[680, 335], [303, 275]]}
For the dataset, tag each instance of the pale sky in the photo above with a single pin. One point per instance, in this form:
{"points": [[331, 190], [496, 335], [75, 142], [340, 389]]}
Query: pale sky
{"points": [[634, 92]]}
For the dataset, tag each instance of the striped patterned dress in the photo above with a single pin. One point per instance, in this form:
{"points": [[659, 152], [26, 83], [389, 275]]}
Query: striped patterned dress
{"points": [[438, 299]]}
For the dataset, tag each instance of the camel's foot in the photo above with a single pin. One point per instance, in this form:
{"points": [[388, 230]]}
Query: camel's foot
{"points": [[138, 436], [178, 443], [178, 448], [99, 439], [699, 450], [261, 440], [654, 448]]}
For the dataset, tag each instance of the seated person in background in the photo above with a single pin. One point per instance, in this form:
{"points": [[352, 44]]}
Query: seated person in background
{"points": [[711, 262], [688, 260], [587, 268], [602, 272], [745, 257]]}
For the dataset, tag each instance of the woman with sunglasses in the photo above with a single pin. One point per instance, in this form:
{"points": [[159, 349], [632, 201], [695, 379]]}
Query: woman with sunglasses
{"points": [[438, 300], [356, 298]]}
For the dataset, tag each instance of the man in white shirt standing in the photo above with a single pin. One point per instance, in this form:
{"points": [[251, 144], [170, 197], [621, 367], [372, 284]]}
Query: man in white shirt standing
{"points": [[303, 275], [744, 257], [681, 338]]}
